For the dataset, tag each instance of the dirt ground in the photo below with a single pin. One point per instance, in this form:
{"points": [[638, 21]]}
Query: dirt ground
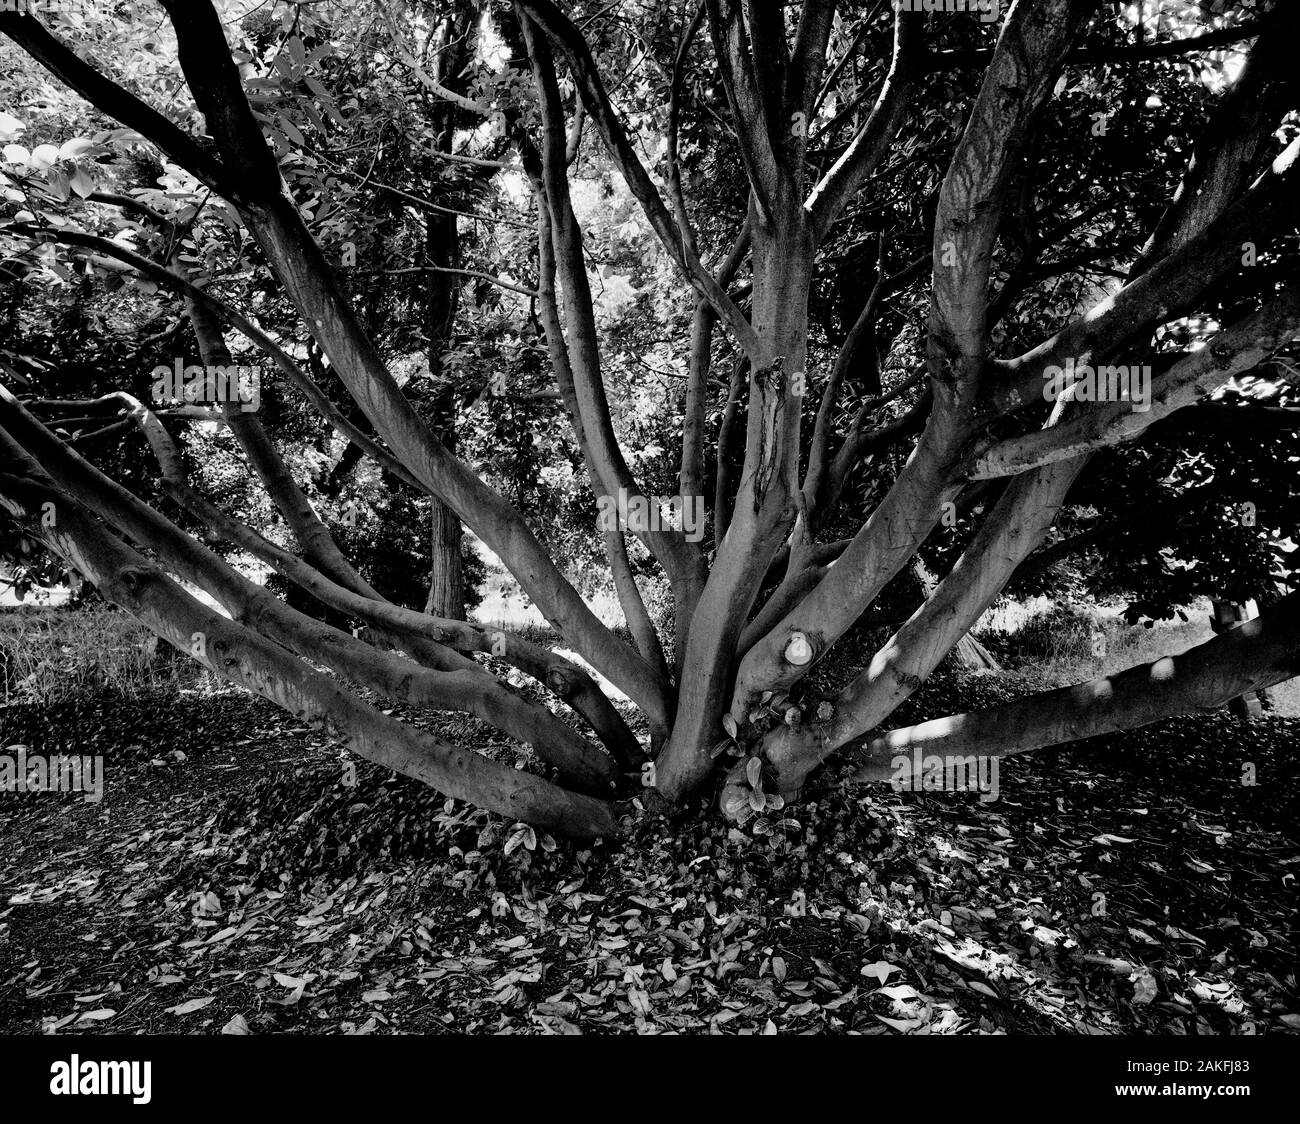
{"points": [[231, 879]]}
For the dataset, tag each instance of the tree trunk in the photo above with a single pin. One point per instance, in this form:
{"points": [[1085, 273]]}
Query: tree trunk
{"points": [[446, 579], [454, 46]]}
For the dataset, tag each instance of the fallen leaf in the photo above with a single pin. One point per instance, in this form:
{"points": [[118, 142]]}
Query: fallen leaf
{"points": [[1144, 986], [190, 1006], [881, 970]]}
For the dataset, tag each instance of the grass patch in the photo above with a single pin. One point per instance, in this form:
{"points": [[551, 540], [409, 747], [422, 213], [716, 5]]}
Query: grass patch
{"points": [[50, 655]]}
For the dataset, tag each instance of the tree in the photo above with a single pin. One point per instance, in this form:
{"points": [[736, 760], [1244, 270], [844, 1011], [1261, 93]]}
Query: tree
{"points": [[1007, 312]]}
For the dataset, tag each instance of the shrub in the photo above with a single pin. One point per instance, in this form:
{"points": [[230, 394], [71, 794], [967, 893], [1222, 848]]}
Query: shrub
{"points": [[53, 654]]}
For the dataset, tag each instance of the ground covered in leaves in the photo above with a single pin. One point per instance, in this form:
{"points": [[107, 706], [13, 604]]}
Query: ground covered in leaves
{"points": [[240, 875]]}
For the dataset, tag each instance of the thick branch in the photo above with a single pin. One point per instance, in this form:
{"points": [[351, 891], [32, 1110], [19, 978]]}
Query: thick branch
{"points": [[745, 99], [871, 144], [313, 536], [599, 108], [1018, 83], [1251, 657], [581, 363], [1231, 353], [278, 355], [1239, 128], [300, 265], [108, 96], [241, 656], [465, 689], [1166, 290]]}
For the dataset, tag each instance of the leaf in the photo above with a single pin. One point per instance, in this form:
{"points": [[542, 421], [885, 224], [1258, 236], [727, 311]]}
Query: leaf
{"points": [[754, 772], [96, 1016], [288, 981], [735, 805], [721, 748], [521, 836], [1144, 986], [190, 1006], [291, 131], [640, 1001], [376, 996], [320, 91], [903, 1026], [77, 146], [237, 1025], [59, 184], [838, 1002], [16, 154], [1107, 839], [44, 157], [81, 183], [729, 724], [881, 970]]}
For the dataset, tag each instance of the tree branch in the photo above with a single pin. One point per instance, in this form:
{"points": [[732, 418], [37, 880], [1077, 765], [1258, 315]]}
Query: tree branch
{"points": [[599, 108], [1018, 83], [1251, 657], [1231, 353], [1164, 291], [871, 143], [1088, 56], [242, 657], [108, 96]]}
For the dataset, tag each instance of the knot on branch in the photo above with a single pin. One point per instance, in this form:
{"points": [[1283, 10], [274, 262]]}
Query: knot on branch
{"points": [[559, 680], [133, 580], [798, 650]]}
